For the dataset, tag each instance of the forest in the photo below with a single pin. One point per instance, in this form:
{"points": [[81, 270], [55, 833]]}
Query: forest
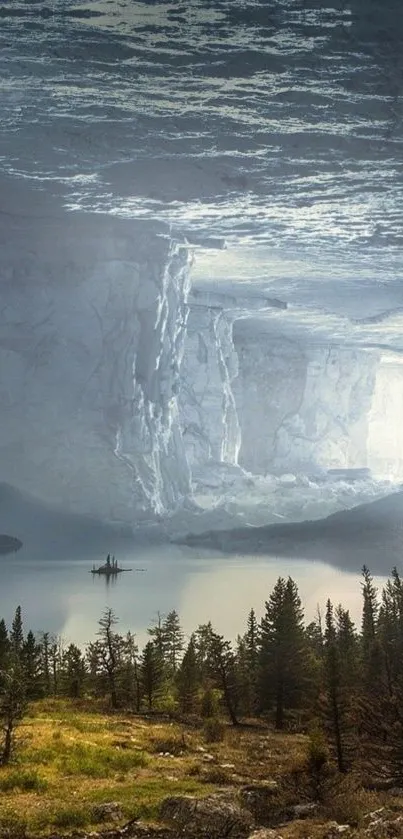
{"points": [[341, 684]]}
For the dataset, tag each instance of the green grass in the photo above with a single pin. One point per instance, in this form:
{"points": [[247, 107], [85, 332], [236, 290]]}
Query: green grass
{"points": [[98, 761], [27, 780], [71, 756]]}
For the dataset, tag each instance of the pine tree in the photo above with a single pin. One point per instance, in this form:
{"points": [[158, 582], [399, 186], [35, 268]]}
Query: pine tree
{"points": [[370, 609], [248, 664], [283, 651], [188, 679], [4, 647], [31, 660], [105, 654], [337, 705], [73, 672], [17, 634], [158, 636], [12, 705], [151, 670], [172, 641], [222, 665], [45, 668], [130, 677]]}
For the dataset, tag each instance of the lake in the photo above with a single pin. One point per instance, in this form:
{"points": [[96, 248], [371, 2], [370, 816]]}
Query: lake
{"points": [[63, 597]]}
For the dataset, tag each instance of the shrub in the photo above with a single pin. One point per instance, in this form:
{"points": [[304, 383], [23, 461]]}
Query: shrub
{"points": [[13, 826], [216, 775], [70, 817], [317, 764], [347, 802], [213, 730], [173, 744], [27, 780], [210, 702]]}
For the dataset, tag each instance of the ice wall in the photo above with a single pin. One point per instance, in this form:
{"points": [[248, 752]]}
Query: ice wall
{"points": [[209, 419], [385, 437], [301, 406], [93, 317], [270, 404]]}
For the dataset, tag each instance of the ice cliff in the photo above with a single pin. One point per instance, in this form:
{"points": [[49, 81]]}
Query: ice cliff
{"points": [[269, 404], [91, 337], [123, 390]]}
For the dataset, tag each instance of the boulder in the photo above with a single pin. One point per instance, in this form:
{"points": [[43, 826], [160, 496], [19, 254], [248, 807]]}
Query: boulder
{"points": [[334, 830], [207, 818], [261, 799], [110, 811], [303, 811], [264, 833]]}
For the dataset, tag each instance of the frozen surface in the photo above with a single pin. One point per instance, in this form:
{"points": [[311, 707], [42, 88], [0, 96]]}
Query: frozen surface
{"points": [[200, 271]]}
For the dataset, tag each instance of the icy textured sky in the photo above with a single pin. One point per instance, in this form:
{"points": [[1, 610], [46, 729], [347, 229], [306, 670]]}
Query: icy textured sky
{"points": [[276, 126]]}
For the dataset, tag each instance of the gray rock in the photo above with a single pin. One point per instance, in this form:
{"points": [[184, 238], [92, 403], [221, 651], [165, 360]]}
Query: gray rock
{"points": [[110, 811], [261, 800], [207, 818], [334, 830], [264, 833], [303, 811]]}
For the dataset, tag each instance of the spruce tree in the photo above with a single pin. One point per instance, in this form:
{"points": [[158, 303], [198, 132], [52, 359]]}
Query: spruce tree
{"points": [[336, 707], [172, 641], [151, 673], [283, 651], [222, 666], [105, 654], [188, 679], [31, 661], [17, 633], [73, 672]]}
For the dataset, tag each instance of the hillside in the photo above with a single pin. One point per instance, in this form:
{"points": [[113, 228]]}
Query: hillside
{"points": [[79, 769], [370, 533]]}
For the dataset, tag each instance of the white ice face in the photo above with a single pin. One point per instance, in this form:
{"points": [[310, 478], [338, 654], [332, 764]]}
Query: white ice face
{"points": [[261, 144]]}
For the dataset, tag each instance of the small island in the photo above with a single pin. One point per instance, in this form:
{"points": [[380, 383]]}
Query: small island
{"points": [[110, 568]]}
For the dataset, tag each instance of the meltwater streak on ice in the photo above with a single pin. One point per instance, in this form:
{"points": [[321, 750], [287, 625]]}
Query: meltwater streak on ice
{"points": [[264, 123]]}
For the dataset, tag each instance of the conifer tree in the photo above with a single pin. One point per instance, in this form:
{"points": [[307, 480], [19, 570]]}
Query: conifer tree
{"points": [[370, 609], [4, 647], [172, 641], [283, 651], [31, 660], [17, 634], [247, 660], [73, 672], [188, 678], [151, 670], [130, 678], [45, 668], [222, 664], [158, 636], [105, 654], [335, 709], [12, 705]]}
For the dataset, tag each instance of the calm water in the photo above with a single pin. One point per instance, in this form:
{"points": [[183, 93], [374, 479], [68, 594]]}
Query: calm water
{"points": [[64, 598]]}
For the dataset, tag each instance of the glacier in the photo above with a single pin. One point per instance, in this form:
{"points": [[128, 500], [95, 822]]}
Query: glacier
{"points": [[200, 272]]}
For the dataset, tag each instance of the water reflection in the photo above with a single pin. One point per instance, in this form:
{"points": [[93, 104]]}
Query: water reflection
{"points": [[65, 598]]}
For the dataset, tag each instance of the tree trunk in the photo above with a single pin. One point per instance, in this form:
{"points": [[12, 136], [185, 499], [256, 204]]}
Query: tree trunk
{"points": [[280, 705]]}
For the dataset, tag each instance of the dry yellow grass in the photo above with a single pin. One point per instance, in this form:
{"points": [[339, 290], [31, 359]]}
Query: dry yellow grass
{"points": [[69, 758]]}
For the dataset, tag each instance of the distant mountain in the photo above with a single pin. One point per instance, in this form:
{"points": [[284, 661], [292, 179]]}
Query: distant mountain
{"points": [[50, 533], [9, 544], [369, 533]]}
